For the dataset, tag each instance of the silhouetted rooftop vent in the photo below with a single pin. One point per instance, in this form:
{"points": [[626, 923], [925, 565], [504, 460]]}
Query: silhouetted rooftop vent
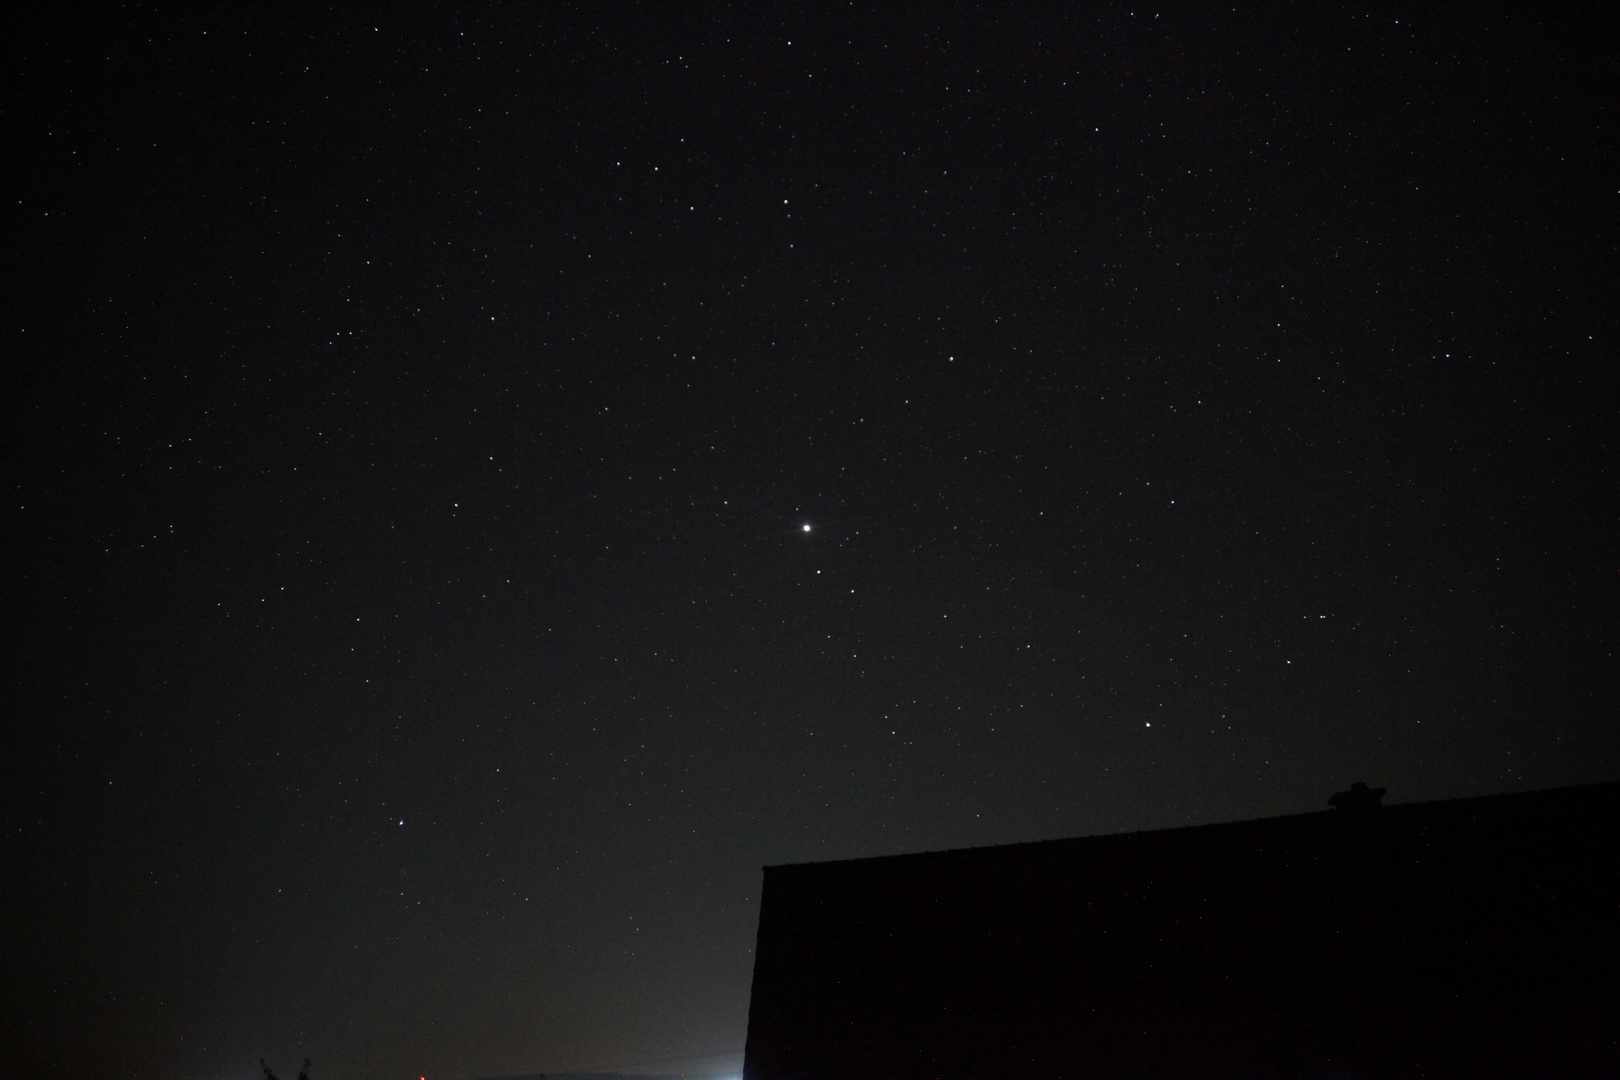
{"points": [[1359, 797]]}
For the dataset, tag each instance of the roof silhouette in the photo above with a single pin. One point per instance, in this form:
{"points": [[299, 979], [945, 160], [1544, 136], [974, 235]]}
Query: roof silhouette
{"points": [[1456, 937]]}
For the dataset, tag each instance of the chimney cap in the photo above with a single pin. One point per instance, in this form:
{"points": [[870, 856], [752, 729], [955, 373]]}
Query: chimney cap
{"points": [[1359, 797]]}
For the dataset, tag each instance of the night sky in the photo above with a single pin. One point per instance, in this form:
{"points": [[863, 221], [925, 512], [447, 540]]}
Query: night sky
{"points": [[483, 482]]}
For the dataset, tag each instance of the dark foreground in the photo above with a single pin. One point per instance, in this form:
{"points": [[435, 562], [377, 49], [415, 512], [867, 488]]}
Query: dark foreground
{"points": [[1470, 938]]}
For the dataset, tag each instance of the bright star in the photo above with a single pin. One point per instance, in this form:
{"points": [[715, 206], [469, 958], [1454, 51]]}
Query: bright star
{"points": [[807, 528]]}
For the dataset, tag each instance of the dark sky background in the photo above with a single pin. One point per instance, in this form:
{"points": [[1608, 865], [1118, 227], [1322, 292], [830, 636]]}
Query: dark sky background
{"points": [[413, 645]]}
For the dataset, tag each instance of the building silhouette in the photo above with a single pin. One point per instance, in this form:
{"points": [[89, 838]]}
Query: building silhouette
{"points": [[1471, 938]]}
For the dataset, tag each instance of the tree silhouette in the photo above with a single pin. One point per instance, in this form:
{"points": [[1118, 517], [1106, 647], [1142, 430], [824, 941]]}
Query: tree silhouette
{"points": [[303, 1074]]}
